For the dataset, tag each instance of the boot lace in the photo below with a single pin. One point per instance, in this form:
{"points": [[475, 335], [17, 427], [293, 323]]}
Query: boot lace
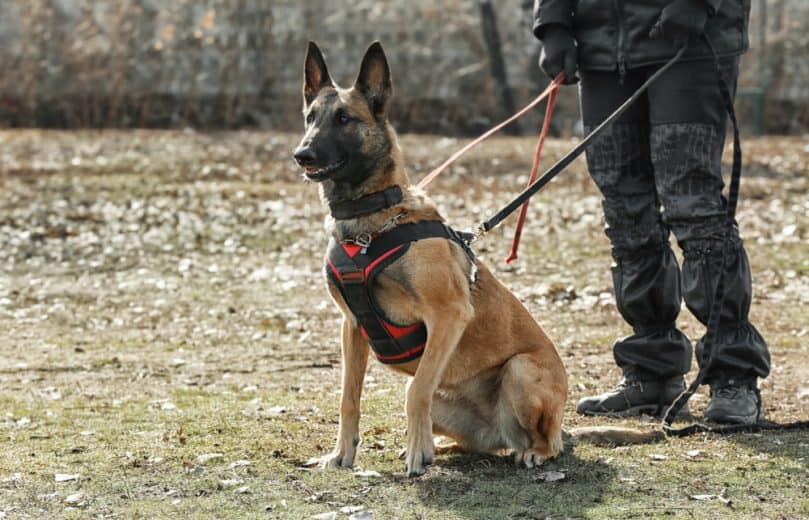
{"points": [[626, 384], [728, 392]]}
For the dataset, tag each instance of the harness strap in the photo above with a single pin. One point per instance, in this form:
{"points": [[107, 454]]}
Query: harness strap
{"points": [[353, 269], [420, 230], [366, 205], [353, 281]]}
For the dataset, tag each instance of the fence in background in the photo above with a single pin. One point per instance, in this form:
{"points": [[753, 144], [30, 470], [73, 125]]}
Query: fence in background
{"points": [[235, 63]]}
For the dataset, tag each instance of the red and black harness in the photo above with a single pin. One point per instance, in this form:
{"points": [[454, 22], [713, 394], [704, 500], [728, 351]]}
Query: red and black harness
{"points": [[353, 268]]}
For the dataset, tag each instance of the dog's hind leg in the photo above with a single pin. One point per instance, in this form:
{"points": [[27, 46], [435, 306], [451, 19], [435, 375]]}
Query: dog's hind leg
{"points": [[530, 407], [462, 421]]}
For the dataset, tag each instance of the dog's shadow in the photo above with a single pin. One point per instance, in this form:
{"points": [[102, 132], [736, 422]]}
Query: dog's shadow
{"points": [[481, 486]]}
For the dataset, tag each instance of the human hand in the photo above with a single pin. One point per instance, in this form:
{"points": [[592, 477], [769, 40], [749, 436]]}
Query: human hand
{"points": [[559, 53], [681, 21]]}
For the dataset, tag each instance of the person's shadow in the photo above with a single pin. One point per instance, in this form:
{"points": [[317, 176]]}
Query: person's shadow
{"points": [[488, 486], [777, 444]]}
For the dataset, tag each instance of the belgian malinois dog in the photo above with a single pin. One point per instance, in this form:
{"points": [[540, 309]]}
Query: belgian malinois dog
{"points": [[488, 376]]}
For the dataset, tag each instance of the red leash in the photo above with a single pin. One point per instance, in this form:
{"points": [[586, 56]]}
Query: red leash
{"points": [[554, 85], [546, 124], [550, 93]]}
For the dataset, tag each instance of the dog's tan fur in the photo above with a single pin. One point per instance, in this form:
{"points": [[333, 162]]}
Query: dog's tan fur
{"points": [[490, 377]]}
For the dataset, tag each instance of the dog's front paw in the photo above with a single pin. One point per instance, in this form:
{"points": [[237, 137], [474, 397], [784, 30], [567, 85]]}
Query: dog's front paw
{"points": [[419, 453], [530, 458], [342, 456], [337, 459]]}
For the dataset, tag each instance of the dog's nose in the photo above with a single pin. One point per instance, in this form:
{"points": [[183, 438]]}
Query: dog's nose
{"points": [[304, 156]]}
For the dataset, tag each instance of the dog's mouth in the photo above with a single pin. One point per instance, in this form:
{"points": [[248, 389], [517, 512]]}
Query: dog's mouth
{"points": [[314, 173]]}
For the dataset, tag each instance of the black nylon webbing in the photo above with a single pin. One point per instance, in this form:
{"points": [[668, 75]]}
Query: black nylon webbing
{"points": [[356, 286], [366, 205], [357, 294], [712, 326]]}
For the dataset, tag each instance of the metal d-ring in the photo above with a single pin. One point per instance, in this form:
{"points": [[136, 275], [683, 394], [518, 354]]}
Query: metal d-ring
{"points": [[363, 240]]}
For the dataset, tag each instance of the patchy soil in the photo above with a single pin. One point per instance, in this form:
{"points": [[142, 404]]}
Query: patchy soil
{"points": [[167, 348]]}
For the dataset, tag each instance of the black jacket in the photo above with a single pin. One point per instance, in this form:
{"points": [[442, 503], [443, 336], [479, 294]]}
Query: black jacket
{"points": [[614, 34]]}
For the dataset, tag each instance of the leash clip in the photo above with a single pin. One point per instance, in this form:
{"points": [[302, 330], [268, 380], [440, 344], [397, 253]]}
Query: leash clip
{"points": [[480, 232]]}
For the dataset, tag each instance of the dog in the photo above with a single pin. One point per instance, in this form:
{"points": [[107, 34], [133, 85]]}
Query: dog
{"points": [[483, 372]]}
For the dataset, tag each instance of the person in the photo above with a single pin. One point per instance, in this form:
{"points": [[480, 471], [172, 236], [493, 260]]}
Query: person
{"points": [[658, 168]]}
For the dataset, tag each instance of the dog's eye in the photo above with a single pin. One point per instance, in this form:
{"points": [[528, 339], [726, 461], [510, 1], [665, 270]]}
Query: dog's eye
{"points": [[310, 118], [343, 118]]}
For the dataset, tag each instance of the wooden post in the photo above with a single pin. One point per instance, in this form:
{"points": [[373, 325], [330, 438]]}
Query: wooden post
{"points": [[498, 67]]}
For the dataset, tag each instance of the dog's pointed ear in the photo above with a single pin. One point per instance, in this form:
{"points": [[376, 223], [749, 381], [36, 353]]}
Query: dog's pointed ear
{"points": [[315, 74], [373, 81]]}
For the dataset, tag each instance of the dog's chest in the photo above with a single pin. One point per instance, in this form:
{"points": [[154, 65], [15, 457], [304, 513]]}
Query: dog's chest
{"points": [[355, 269]]}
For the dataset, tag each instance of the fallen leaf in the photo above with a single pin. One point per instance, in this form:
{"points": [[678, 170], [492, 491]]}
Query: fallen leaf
{"points": [[367, 474], [77, 500], [14, 477], [311, 463], [229, 483], [276, 410], [66, 477], [208, 457], [551, 476]]}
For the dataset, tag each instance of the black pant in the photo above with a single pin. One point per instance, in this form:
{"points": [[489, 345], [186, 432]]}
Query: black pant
{"points": [[659, 169]]}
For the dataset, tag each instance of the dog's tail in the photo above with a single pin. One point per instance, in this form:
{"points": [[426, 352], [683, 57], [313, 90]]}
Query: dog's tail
{"points": [[612, 436]]}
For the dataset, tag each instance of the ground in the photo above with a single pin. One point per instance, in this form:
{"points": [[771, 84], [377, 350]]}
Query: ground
{"points": [[167, 347]]}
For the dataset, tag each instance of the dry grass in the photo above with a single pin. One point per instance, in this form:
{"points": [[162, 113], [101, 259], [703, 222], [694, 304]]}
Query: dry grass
{"points": [[161, 300]]}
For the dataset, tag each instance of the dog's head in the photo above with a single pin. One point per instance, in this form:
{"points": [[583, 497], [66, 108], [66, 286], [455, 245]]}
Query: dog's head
{"points": [[347, 137]]}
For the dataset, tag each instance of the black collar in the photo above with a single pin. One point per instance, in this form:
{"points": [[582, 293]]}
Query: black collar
{"points": [[366, 205]]}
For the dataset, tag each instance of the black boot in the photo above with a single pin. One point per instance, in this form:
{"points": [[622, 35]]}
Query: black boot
{"points": [[634, 397], [735, 402]]}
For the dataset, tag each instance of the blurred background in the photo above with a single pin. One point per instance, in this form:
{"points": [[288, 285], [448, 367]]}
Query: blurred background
{"points": [[224, 64]]}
